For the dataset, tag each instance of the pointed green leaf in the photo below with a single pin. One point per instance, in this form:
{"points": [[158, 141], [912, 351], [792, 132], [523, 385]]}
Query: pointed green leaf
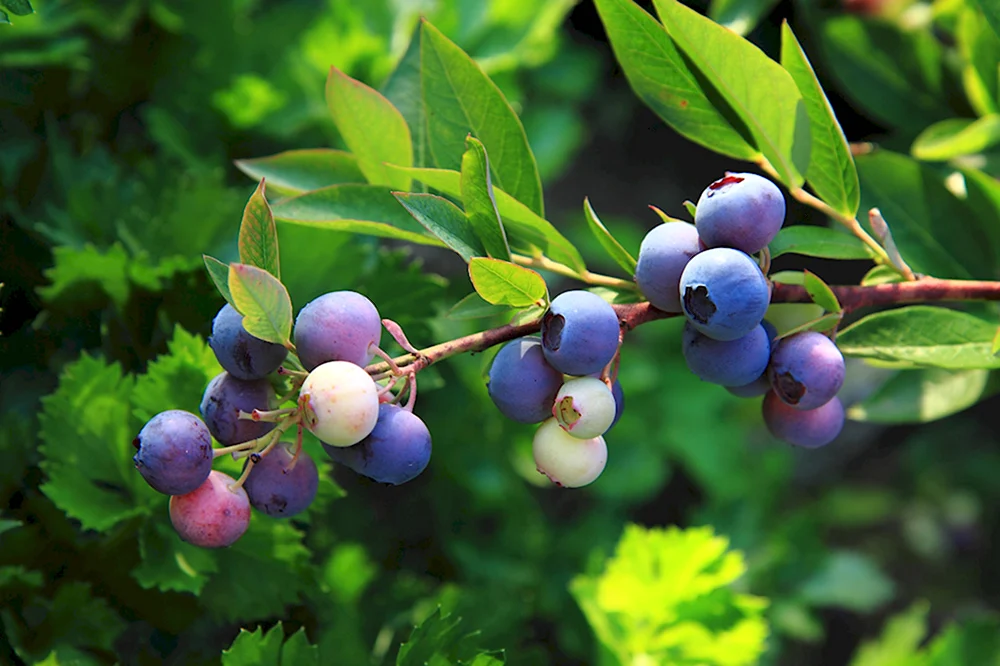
{"points": [[740, 16], [219, 272], [255, 648], [359, 209], [991, 10], [373, 129], [900, 640], [297, 171], [504, 283], [607, 241], [817, 242], [957, 136], [789, 277], [461, 100], [979, 48], [474, 307], [263, 302], [820, 292], [831, 173], [760, 92], [925, 335], [881, 275], [478, 199], [258, 239], [403, 88], [297, 651], [17, 7], [444, 220], [666, 219], [666, 82], [919, 396]]}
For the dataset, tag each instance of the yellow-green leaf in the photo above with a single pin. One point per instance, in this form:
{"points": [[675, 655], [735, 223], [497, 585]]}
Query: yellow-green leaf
{"points": [[263, 302]]}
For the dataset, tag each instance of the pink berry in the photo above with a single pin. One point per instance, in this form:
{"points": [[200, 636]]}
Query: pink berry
{"points": [[212, 515]]}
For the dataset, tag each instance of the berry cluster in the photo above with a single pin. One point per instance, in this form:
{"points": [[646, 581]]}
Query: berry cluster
{"points": [[360, 423], [706, 272]]}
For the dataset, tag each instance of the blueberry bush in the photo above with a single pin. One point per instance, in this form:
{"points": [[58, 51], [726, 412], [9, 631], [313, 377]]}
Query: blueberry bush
{"points": [[746, 418]]}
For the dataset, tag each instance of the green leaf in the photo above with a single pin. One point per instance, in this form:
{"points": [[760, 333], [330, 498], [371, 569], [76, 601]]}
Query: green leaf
{"points": [[440, 640], [761, 93], [4, 19], [461, 100], [255, 648], [922, 334], [17, 7], [478, 199], [607, 241], [831, 173], [820, 292], [848, 580], [359, 209], [900, 640], [991, 10], [955, 137], [72, 268], [667, 83], [263, 302], [818, 242], [881, 275], [444, 220], [527, 233], [979, 48], [177, 379], [298, 651], [403, 88], [373, 129], [298, 171], [921, 214], [819, 324], [973, 641], [919, 396], [474, 307], [503, 283], [740, 16], [258, 238], [169, 564], [983, 199], [219, 273]]}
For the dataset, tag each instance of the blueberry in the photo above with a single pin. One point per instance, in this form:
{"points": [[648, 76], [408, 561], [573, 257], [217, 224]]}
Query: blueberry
{"points": [[339, 402], [338, 326], [579, 333], [239, 353], [806, 370], [810, 428], [522, 384], [723, 293], [213, 515], [663, 254], [396, 451], [619, 394], [585, 407], [282, 485], [762, 384], [174, 452], [729, 363], [742, 210], [222, 401], [566, 460]]}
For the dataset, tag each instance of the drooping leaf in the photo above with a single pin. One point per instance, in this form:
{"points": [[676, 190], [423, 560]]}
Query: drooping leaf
{"points": [[298, 171], [373, 129], [740, 16], [444, 220], [831, 172], [820, 292], [666, 82], [919, 396], [817, 242], [954, 137], [926, 335], [503, 283], [219, 273], [258, 238], [614, 249], [461, 100], [403, 88], [478, 199], [264, 303], [759, 91]]}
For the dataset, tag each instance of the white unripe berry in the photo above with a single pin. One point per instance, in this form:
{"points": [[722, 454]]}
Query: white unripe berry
{"points": [[566, 460], [339, 402], [584, 407]]}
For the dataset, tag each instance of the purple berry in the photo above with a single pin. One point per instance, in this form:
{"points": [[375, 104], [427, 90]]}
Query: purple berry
{"points": [[212, 515], [729, 363], [222, 401], [810, 428], [522, 384], [338, 326], [806, 370], [239, 353], [742, 210], [174, 452], [616, 390], [663, 254], [281, 484], [579, 333], [396, 451], [723, 293]]}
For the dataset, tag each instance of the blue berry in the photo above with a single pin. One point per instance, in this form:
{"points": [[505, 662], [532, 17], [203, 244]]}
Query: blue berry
{"points": [[174, 452], [742, 210], [729, 363], [806, 370], [396, 451], [810, 428], [762, 384], [338, 326], [522, 384], [213, 515], [616, 390], [281, 485], [579, 333], [239, 353], [723, 293], [663, 254], [222, 401]]}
